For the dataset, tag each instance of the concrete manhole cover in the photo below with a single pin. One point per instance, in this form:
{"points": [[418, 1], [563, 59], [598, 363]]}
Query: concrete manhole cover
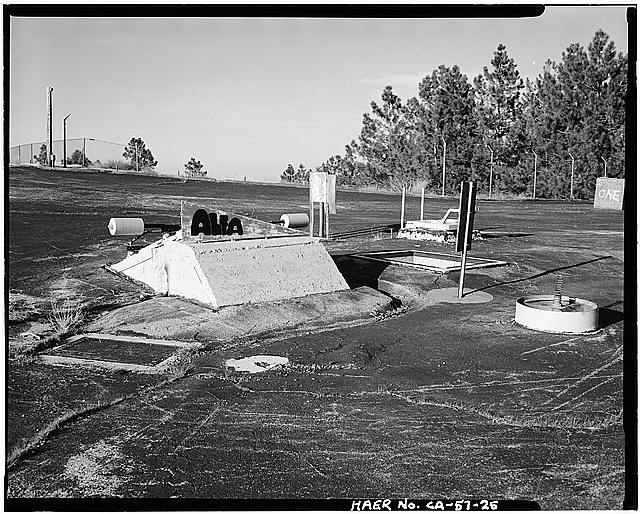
{"points": [[115, 352], [257, 363]]}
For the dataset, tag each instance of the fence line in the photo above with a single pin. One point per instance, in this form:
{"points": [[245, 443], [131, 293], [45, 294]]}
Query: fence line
{"points": [[81, 151]]}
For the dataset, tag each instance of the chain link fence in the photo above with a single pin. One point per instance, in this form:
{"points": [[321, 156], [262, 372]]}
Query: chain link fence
{"points": [[84, 151]]}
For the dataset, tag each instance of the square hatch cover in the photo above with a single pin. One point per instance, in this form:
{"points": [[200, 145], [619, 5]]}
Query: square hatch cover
{"points": [[112, 351], [429, 261]]}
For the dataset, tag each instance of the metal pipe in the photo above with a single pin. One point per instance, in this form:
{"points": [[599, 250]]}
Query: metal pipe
{"points": [[64, 139], [490, 170], [573, 162], [49, 124], [535, 172], [444, 160], [402, 210]]}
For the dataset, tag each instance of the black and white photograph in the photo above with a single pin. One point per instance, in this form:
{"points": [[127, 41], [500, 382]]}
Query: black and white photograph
{"points": [[320, 257]]}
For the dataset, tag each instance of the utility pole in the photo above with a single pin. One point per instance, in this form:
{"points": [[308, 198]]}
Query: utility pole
{"points": [[573, 162], [444, 159], [49, 125], [535, 172], [137, 157], [64, 140]]}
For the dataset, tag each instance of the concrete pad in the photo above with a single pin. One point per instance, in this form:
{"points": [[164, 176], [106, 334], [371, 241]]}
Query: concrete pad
{"points": [[450, 295]]}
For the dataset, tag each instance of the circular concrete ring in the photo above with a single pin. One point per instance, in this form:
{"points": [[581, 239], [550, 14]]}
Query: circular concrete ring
{"points": [[570, 322]]}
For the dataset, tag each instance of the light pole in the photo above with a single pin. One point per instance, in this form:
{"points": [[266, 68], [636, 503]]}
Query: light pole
{"points": [[49, 125], [64, 140], [136, 157], [490, 170], [535, 172], [605, 166], [573, 162], [444, 160]]}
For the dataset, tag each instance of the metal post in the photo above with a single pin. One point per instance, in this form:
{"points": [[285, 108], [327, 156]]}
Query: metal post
{"points": [[64, 139], [490, 171], [467, 232], [137, 158], [402, 209], [49, 124], [320, 219], [31, 153], [535, 172], [326, 219], [605, 166], [573, 162], [19, 159], [84, 151], [310, 217], [444, 160], [422, 206]]}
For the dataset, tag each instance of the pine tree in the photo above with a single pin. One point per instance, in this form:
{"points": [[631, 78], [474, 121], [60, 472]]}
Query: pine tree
{"points": [[288, 174], [449, 115]]}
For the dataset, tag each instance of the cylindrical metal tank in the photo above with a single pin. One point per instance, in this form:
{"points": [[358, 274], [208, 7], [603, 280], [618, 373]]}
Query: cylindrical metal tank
{"points": [[126, 226], [297, 220]]}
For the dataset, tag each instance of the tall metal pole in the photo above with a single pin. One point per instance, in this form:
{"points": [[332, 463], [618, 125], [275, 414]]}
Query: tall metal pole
{"points": [[49, 124], [64, 140], [444, 159], [137, 158], [605, 166], [573, 162], [490, 171], [535, 172], [84, 151], [31, 153], [402, 209], [422, 205]]}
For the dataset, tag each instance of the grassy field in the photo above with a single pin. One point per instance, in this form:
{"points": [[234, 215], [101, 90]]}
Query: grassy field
{"points": [[433, 400]]}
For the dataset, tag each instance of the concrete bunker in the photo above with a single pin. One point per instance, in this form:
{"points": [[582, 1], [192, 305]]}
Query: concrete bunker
{"points": [[220, 258]]}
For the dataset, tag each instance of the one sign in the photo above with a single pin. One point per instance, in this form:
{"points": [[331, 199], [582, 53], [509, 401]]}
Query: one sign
{"points": [[322, 189], [200, 222], [467, 209], [609, 194]]}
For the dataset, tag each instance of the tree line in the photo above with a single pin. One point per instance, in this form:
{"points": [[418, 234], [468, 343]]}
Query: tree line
{"points": [[497, 128]]}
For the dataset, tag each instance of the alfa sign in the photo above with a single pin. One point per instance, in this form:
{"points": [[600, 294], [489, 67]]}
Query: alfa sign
{"points": [[609, 194], [202, 222]]}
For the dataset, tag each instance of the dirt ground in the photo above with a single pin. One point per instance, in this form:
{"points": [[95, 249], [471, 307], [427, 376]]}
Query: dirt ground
{"points": [[390, 392]]}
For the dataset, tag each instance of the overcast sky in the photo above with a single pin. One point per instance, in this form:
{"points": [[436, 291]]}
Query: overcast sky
{"points": [[248, 96]]}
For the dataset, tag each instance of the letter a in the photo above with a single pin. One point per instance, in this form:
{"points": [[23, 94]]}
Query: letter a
{"points": [[235, 225], [200, 223]]}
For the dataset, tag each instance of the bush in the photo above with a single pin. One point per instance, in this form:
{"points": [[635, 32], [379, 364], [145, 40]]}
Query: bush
{"points": [[114, 164]]}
